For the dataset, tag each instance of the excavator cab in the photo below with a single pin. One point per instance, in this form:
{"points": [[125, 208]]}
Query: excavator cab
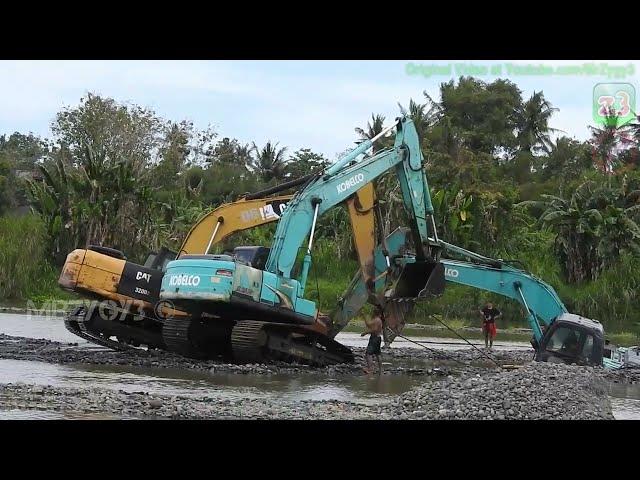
{"points": [[571, 339], [159, 260]]}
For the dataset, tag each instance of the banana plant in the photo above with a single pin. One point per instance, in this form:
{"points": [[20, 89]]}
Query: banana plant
{"points": [[453, 215]]}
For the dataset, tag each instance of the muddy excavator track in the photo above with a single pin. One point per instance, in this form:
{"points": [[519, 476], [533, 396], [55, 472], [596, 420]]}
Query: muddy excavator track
{"points": [[178, 334], [243, 341], [197, 337], [249, 341], [85, 322], [257, 342]]}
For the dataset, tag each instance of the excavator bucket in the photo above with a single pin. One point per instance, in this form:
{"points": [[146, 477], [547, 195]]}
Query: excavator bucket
{"points": [[420, 279]]}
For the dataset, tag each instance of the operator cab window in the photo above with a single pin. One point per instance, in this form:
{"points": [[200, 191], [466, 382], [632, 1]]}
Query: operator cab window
{"points": [[244, 255], [150, 259], [571, 343], [165, 262], [159, 261], [587, 349], [255, 257], [260, 259]]}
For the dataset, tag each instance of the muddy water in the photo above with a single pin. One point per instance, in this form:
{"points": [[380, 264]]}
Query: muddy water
{"points": [[361, 389], [318, 386]]}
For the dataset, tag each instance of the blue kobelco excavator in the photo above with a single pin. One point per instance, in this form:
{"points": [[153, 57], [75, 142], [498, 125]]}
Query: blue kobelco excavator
{"points": [[256, 310], [251, 308], [558, 336]]}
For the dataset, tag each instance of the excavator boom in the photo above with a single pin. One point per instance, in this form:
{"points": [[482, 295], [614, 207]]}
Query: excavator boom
{"points": [[552, 325], [262, 310]]}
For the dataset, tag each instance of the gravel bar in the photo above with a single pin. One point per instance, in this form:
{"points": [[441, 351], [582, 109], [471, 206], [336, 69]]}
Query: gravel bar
{"points": [[460, 384], [534, 391]]}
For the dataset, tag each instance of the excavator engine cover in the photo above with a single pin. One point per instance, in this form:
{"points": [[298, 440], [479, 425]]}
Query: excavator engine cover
{"points": [[420, 279]]}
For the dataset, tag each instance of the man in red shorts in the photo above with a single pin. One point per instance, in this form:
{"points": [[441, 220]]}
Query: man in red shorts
{"points": [[489, 315]]}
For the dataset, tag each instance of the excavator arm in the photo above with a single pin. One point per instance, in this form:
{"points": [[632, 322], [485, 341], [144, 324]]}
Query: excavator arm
{"points": [[252, 210], [104, 274], [227, 219], [261, 311], [539, 300], [339, 182], [551, 323]]}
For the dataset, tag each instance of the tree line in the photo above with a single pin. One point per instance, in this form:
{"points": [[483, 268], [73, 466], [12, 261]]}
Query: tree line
{"points": [[504, 184]]}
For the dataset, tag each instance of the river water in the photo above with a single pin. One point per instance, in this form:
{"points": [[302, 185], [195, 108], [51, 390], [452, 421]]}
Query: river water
{"points": [[625, 399]]}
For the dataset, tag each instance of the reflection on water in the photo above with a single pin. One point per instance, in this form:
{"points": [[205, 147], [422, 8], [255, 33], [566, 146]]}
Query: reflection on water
{"points": [[625, 401], [167, 381], [37, 326]]}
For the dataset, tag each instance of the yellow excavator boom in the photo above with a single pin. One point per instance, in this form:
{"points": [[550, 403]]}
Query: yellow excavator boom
{"points": [[230, 218]]}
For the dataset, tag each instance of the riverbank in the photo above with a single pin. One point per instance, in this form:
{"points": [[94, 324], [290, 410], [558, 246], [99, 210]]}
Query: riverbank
{"points": [[460, 384], [403, 360], [59, 308], [535, 391]]}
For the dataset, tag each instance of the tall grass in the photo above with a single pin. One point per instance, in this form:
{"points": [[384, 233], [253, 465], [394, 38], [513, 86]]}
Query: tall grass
{"points": [[25, 273], [329, 275]]}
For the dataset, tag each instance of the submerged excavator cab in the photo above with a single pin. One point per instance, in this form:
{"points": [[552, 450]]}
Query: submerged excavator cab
{"points": [[571, 339]]}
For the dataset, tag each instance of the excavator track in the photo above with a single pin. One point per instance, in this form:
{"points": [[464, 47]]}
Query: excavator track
{"points": [[175, 333], [256, 342], [195, 337], [248, 341], [82, 322], [78, 324]]}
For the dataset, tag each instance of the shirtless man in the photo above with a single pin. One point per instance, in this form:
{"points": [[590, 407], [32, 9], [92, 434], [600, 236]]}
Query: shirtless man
{"points": [[374, 329]]}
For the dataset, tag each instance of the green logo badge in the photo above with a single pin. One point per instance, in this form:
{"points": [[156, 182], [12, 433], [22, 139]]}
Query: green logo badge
{"points": [[617, 99]]}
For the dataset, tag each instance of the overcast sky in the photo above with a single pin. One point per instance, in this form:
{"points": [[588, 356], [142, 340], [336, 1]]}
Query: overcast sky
{"points": [[314, 104]]}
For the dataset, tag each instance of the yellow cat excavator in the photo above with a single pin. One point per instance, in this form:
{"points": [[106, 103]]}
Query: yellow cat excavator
{"points": [[126, 294]]}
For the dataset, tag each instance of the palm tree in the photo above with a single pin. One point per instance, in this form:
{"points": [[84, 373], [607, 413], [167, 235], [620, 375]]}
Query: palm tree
{"points": [[532, 123], [373, 128], [269, 161], [609, 141], [634, 131], [435, 111], [422, 119], [243, 153]]}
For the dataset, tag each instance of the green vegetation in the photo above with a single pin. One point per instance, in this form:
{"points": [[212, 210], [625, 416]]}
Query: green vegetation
{"points": [[118, 175], [24, 270]]}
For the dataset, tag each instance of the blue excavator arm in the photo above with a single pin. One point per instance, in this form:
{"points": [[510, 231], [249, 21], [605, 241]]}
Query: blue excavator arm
{"points": [[539, 300], [342, 180]]}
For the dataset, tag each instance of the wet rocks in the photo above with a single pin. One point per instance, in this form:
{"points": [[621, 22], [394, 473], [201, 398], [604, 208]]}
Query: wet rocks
{"points": [[535, 391], [21, 348], [461, 384], [625, 375]]}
